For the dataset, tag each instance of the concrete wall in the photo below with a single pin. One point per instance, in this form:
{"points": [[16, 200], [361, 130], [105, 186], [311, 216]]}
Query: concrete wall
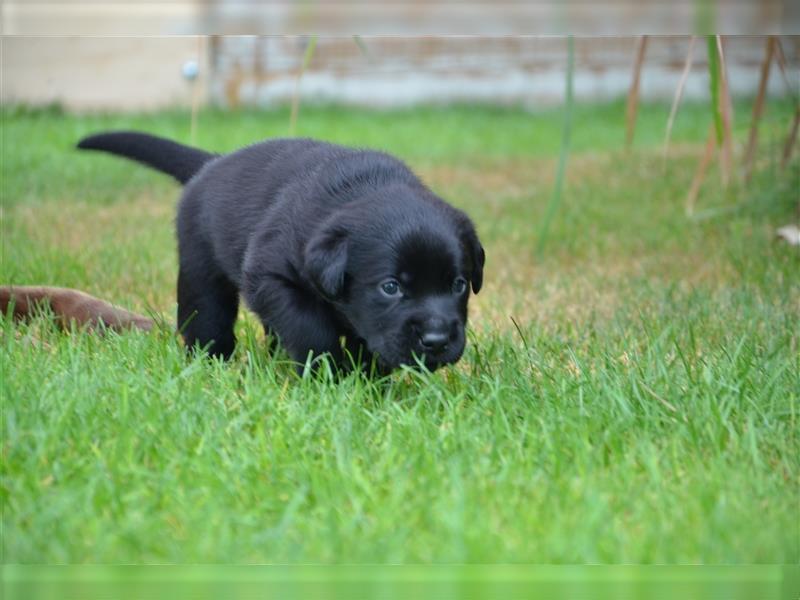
{"points": [[394, 71]]}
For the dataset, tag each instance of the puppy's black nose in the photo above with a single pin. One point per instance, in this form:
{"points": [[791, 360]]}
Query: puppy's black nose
{"points": [[434, 341]]}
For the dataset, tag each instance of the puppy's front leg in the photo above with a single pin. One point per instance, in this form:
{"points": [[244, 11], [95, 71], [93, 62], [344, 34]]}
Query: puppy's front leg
{"points": [[303, 323]]}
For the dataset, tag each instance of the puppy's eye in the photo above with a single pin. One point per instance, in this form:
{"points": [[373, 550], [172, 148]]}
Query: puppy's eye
{"points": [[390, 288], [459, 286]]}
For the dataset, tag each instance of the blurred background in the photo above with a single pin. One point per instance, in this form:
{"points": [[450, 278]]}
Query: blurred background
{"points": [[134, 73], [129, 54], [439, 17]]}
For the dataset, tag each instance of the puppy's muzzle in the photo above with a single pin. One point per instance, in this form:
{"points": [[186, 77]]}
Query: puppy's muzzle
{"points": [[435, 336]]}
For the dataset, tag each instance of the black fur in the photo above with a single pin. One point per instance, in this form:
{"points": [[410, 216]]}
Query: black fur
{"points": [[170, 157], [307, 232]]}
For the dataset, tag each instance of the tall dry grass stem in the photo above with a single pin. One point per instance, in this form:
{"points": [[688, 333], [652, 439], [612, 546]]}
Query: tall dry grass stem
{"points": [[633, 93], [758, 109], [700, 172], [791, 139]]}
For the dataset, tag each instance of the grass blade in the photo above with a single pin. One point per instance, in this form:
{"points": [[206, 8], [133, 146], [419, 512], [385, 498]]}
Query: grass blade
{"points": [[309, 54], [363, 47], [197, 89], [726, 109], [678, 95], [566, 134], [714, 77]]}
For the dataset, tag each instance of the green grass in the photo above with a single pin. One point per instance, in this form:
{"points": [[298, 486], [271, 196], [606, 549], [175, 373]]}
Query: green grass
{"points": [[645, 411]]}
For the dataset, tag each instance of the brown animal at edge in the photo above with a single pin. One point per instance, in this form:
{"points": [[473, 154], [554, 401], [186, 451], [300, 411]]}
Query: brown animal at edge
{"points": [[70, 307]]}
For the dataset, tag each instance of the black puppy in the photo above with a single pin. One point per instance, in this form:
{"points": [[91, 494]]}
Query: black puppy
{"points": [[337, 250]]}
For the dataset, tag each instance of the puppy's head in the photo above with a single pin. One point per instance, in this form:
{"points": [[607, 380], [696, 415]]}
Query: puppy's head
{"points": [[400, 273]]}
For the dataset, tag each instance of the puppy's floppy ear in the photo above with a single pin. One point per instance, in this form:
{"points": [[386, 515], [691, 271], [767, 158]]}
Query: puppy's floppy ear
{"points": [[476, 253], [326, 260]]}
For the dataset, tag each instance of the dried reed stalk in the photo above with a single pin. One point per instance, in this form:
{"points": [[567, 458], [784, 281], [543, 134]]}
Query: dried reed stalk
{"points": [[633, 93], [791, 139], [758, 109], [784, 69], [700, 172]]}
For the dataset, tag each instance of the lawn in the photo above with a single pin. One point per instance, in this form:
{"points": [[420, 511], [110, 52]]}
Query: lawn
{"points": [[629, 394]]}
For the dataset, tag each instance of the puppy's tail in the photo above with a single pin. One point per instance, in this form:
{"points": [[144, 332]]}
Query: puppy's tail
{"points": [[169, 157]]}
